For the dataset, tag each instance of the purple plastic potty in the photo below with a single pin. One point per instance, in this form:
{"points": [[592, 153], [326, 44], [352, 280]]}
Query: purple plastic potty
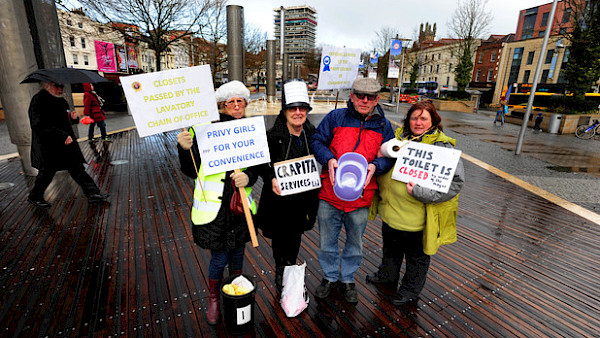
{"points": [[350, 176]]}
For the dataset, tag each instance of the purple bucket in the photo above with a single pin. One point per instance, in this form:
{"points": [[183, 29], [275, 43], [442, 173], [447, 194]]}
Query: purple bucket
{"points": [[350, 176]]}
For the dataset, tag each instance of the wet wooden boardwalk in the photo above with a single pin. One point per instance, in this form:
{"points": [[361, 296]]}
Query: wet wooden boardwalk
{"points": [[522, 266]]}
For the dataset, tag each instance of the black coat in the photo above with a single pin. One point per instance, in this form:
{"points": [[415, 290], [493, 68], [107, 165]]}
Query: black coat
{"points": [[226, 231], [50, 126], [292, 213]]}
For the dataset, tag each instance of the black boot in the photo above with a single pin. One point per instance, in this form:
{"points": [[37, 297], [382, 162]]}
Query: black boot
{"points": [[279, 278]]}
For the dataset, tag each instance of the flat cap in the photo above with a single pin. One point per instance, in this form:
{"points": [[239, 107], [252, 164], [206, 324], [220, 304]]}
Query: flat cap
{"points": [[366, 85]]}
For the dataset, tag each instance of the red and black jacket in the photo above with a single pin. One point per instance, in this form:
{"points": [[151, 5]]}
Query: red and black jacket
{"points": [[345, 130]]}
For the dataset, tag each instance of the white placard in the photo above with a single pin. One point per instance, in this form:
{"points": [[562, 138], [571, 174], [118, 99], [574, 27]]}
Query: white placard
{"points": [[298, 175], [233, 145], [427, 165], [243, 314], [172, 99], [339, 67]]}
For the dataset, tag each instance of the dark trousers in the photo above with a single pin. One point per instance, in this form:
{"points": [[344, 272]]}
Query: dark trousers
{"points": [[101, 125], [286, 248], [77, 172], [403, 245], [221, 258]]}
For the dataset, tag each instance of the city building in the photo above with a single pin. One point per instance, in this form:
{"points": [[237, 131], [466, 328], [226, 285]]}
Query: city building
{"points": [[299, 30], [485, 69], [520, 57]]}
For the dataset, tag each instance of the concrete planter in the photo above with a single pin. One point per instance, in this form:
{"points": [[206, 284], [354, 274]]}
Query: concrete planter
{"points": [[460, 106], [568, 124]]}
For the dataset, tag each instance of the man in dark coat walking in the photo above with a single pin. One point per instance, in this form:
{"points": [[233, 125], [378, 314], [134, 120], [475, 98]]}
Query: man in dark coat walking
{"points": [[54, 146]]}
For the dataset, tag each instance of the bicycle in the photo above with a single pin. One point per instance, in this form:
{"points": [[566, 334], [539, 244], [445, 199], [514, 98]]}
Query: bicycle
{"points": [[586, 132]]}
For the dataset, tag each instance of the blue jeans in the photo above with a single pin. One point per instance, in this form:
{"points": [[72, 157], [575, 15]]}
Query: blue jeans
{"points": [[101, 125], [331, 221], [220, 258], [501, 114]]}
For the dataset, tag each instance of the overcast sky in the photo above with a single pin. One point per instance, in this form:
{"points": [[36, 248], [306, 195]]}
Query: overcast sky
{"points": [[353, 23]]}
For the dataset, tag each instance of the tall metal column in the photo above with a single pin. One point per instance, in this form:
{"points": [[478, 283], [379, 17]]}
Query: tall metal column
{"points": [[235, 42], [271, 70], [31, 39], [285, 67]]}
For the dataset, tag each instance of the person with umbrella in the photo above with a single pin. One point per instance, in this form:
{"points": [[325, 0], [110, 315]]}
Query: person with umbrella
{"points": [[54, 146]]}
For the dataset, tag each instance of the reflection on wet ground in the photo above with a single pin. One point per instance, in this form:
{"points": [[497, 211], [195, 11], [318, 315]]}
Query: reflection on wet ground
{"points": [[554, 149]]}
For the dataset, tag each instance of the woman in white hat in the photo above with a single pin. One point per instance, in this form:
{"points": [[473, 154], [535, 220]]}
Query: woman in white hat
{"points": [[214, 226], [285, 218]]}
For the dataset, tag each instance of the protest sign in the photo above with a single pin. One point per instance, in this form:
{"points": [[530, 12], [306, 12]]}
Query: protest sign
{"points": [[427, 165], [172, 99], [298, 175], [339, 67], [232, 145]]}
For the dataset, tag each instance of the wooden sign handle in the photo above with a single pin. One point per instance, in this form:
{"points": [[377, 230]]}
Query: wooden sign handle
{"points": [[248, 214]]}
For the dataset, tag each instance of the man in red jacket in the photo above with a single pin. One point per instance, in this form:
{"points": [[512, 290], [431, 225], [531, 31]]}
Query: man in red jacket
{"points": [[360, 128]]}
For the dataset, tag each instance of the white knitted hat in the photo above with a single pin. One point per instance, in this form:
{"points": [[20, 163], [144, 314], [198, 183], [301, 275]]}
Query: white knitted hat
{"points": [[232, 89]]}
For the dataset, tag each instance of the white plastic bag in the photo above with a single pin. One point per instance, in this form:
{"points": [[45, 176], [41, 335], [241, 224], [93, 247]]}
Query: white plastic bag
{"points": [[294, 298]]}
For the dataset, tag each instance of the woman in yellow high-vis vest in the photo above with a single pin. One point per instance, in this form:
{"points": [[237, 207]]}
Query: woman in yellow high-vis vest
{"points": [[214, 226]]}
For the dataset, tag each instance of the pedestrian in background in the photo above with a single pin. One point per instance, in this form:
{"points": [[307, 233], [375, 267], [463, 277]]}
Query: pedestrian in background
{"points": [[361, 128], [538, 122], [92, 107], [408, 211], [214, 226], [54, 146], [502, 111], [284, 219]]}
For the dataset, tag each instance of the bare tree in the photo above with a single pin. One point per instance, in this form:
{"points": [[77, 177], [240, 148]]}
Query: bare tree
{"points": [[383, 39], [158, 23], [215, 36], [255, 40], [469, 22]]}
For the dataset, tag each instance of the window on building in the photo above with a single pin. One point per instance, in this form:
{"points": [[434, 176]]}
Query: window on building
{"points": [[431, 69], [526, 75], [530, 57], [544, 78], [563, 31], [69, 22], [566, 15], [477, 74], [82, 42], [101, 30], [541, 34], [493, 57], [75, 59], [447, 81], [544, 19], [549, 56], [515, 65], [480, 58], [86, 60], [565, 57], [450, 68], [529, 25], [72, 41], [437, 68], [490, 75], [80, 25]]}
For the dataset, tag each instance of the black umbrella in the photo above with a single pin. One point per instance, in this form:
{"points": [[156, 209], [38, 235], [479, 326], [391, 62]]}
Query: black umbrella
{"points": [[64, 76]]}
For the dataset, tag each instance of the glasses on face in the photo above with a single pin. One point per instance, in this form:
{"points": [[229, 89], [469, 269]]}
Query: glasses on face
{"points": [[299, 109], [370, 97], [234, 102]]}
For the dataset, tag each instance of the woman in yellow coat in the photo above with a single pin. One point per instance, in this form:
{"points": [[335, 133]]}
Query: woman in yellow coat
{"points": [[416, 220]]}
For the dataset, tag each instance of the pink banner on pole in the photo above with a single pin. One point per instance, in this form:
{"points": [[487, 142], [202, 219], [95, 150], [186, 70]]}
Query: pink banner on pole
{"points": [[105, 56]]}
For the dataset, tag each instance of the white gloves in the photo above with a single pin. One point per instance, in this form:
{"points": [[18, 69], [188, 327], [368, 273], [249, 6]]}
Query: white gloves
{"points": [[240, 179], [185, 140]]}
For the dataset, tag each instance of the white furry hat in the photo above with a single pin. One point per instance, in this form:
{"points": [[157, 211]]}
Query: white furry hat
{"points": [[232, 89]]}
